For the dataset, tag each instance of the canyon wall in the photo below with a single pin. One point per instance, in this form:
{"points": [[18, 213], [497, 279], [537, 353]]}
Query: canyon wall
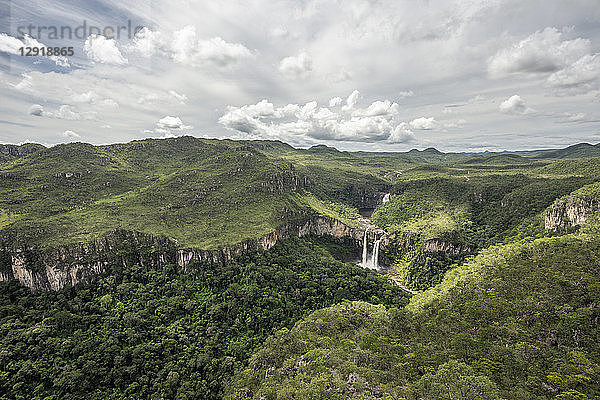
{"points": [[570, 212], [55, 269]]}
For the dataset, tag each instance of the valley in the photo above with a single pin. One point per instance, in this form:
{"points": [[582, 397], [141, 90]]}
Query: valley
{"points": [[195, 268]]}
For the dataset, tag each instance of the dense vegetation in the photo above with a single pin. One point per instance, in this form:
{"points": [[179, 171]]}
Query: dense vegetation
{"points": [[520, 321], [140, 333], [508, 310], [470, 212]]}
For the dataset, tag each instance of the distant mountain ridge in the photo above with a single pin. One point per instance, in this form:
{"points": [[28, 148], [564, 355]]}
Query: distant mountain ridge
{"points": [[10, 152]]}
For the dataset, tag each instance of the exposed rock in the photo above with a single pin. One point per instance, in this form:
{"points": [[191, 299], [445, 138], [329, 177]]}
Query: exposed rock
{"points": [[448, 248], [70, 265], [569, 212]]}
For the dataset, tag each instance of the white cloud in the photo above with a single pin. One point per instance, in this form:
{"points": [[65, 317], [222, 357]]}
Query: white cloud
{"points": [[582, 76], [171, 96], [188, 49], [377, 122], [181, 98], [424, 123], [542, 52], [515, 105], [100, 49], [351, 100], [9, 44], [335, 101], [36, 110], [65, 111], [170, 122], [147, 42], [222, 53], [71, 135], [87, 97], [569, 66], [406, 93], [296, 66], [12, 45], [379, 108], [402, 134]]}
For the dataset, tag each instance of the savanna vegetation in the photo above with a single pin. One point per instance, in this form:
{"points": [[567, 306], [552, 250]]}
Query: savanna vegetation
{"points": [[505, 308]]}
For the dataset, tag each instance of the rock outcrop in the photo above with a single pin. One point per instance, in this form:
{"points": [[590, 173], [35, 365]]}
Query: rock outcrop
{"points": [[570, 212], [407, 242], [69, 265]]}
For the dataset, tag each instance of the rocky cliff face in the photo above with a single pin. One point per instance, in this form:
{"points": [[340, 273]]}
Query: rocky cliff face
{"points": [[448, 248], [70, 265], [408, 242], [565, 213]]}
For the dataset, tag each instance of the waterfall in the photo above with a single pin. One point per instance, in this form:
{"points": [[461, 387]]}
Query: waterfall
{"points": [[386, 198], [364, 255], [375, 256]]}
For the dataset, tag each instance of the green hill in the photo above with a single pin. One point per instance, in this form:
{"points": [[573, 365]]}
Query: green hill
{"points": [[10, 152], [519, 321], [202, 193]]}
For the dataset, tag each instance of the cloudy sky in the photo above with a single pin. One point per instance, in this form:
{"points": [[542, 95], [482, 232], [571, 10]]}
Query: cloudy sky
{"points": [[466, 75]]}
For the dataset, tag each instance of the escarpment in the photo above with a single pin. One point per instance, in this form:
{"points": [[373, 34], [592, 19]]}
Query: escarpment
{"points": [[573, 210], [54, 269], [570, 213]]}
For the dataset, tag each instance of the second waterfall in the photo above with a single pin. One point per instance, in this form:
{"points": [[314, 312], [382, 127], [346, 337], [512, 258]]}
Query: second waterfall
{"points": [[373, 261]]}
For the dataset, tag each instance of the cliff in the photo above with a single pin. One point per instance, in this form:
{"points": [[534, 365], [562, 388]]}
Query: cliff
{"points": [[55, 269], [574, 209]]}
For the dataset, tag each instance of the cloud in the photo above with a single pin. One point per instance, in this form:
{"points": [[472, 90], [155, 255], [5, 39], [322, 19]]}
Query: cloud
{"points": [[12, 45], [515, 105], [406, 93], [296, 66], [100, 49], [542, 52], [569, 66], [147, 42], [581, 77], [577, 117], [187, 48], [171, 123], [424, 123], [170, 96], [70, 134], [293, 122], [351, 100], [65, 111], [379, 108], [9, 44], [86, 97], [402, 134], [335, 101], [36, 110]]}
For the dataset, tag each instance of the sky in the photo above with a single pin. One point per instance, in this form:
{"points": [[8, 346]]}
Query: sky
{"points": [[375, 75]]}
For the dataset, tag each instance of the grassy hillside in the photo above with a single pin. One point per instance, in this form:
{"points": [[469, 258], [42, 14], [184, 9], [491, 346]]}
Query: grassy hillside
{"points": [[10, 152], [202, 193], [519, 321]]}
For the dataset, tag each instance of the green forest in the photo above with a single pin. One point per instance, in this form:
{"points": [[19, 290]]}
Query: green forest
{"points": [[488, 284]]}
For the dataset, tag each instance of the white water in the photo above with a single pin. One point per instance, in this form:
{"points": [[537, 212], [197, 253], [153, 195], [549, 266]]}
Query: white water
{"points": [[386, 198], [373, 262], [375, 256], [364, 254]]}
